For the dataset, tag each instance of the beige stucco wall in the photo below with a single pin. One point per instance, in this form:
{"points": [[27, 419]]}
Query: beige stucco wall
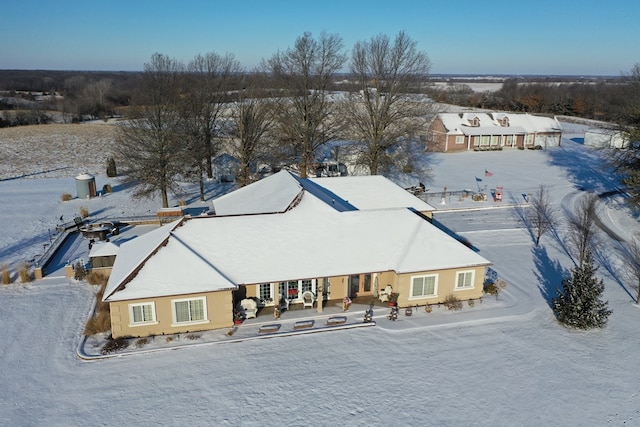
{"points": [[445, 287], [219, 315]]}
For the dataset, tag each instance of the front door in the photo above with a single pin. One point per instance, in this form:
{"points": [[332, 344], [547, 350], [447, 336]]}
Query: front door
{"points": [[360, 285]]}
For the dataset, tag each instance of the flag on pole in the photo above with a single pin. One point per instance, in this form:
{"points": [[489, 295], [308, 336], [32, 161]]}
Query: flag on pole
{"points": [[487, 173]]}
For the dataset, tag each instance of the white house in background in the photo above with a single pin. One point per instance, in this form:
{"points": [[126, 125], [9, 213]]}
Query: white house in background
{"points": [[491, 131], [280, 238], [604, 138]]}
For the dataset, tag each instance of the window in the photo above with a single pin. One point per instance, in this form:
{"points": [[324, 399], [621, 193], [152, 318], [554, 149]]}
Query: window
{"points": [[459, 139], [265, 292], [424, 286], [510, 140], [142, 313], [190, 310], [307, 285], [464, 279], [528, 140]]}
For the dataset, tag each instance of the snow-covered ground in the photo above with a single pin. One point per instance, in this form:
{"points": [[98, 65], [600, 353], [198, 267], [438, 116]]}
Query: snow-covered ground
{"points": [[505, 363]]}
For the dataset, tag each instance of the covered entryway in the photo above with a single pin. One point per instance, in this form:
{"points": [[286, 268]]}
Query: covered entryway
{"points": [[360, 285]]}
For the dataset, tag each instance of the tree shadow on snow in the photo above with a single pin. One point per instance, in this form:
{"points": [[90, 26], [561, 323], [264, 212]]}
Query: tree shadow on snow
{"points": [[549, 273], [604, 260], [587, 168]]}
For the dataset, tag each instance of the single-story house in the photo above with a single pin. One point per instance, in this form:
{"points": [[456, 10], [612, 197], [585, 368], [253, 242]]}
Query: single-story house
{"points": [[278, 238], [491, 131]]}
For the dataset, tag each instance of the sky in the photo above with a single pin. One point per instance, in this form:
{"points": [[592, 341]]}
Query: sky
{"points": [[463, 37]]}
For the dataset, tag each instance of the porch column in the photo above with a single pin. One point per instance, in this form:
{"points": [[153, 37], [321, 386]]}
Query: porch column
{"points": [[319, 294]]}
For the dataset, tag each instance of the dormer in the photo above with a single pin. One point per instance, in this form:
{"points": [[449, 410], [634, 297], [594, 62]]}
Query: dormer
{"points": [[474, 121], [504, 121]]}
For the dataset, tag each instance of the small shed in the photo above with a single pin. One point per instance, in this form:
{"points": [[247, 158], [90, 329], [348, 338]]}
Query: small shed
{"points": [[103, 254], [604, 138], [86, 186]]}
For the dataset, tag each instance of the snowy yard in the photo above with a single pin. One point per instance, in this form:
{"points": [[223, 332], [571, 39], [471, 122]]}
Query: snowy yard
{"points": [[508, 363]]}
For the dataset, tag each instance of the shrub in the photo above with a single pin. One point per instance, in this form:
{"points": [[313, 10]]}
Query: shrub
{"points": [[111, 167], [168, 340], [427, 308], [471, 303], [100, 305], [84, 212], [5, 275], [114, 345], [107, 188], [142, 342], [494, 288], [98, 324], [94, 278], [453, 303], [66, 197], [79, 272], [25, 273]]}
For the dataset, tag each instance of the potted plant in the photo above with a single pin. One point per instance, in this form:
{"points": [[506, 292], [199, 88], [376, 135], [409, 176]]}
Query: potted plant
{"points": [[393, 299], [237, 317]]}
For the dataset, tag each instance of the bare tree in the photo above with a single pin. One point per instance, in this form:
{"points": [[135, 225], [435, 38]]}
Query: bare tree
{"points": [[252, 119], [542, 216], [582, 228], [628, 161], [149, 142], [306, 115], [207, 81], [383, 115]]}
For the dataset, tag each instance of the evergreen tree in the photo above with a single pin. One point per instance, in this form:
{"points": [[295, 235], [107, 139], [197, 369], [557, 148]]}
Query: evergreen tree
{"points": [[579, 303], [111, 168]]}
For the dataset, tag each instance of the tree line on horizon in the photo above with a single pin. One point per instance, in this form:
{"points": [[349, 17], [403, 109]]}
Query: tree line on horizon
{"points": [[206, 81]]}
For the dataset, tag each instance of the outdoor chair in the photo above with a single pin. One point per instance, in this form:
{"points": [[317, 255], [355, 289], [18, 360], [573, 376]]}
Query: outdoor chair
{"points": [[249, 307], [308, 298]]}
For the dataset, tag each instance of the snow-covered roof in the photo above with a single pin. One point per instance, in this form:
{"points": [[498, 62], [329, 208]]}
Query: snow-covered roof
{"points": [[131, 254], [103, 249], [489, 124], [273, 194], [372, 192], [310, 240]]}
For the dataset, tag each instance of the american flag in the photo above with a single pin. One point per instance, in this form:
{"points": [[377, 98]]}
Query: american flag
{"points": [[487, 173]]}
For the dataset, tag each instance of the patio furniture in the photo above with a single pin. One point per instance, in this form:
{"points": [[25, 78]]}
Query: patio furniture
{"points": [[308, 298], [384, 294], [284, 302], [249, 307]]}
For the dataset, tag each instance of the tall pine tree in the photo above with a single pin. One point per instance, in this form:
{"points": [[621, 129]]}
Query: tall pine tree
{"points": [[579, 303]]}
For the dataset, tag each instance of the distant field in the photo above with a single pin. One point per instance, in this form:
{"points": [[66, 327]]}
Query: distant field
{"points": [[55, 150]]}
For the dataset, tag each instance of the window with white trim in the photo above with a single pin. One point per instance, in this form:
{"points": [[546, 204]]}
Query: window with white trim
{"points": [[459, 139], [190, 310], [142, 313], [307, 285], [265, 293], [528, 139], [424, 286], [464, 279]]}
